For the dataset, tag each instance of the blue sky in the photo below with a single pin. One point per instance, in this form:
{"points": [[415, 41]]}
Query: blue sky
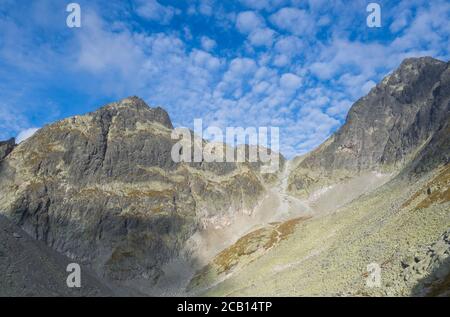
{"points": [[297, 65]]}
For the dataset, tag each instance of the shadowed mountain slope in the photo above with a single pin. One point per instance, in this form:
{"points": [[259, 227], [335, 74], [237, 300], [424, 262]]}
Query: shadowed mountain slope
{"points": [[403, 115], [30, 268]]}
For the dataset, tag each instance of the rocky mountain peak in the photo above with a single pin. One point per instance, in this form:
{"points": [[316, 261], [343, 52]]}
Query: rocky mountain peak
{"points": [[134, 109], [387, 128], [413, 78], [103, 189], [419, 63]]}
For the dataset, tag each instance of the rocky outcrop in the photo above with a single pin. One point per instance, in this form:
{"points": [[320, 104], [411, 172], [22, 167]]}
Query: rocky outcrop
{"points": [[433, 154], [6, 147], [427, 272], [103, 189], [385, 130]]}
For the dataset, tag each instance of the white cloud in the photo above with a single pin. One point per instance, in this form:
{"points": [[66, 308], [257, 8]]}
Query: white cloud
{"points": [[25, 134], [262, 37], [11, 119], [268, 5], [207, 43], [154, 11], [249, 21], [289, 45], [280, 75], [339, 108], [241, 67], [401, 21], [281, 60], [205, 60], [308, 98], [368, 85], [294, 20], [256, 4], [253, 24], [290, 81], [101, 49], [206, 7], [286, 49], [322, 70]]}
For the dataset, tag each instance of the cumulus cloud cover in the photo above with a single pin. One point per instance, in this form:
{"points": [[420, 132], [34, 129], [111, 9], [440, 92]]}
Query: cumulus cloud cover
{"points": [[297, 65]]}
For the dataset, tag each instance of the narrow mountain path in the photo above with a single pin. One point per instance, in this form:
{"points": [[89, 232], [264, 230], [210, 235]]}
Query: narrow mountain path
{"points": [[288, 206]]}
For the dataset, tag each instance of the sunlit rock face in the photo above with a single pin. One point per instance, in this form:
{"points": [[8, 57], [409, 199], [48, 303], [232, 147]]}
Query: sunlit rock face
{"points": [[103, 189], [384, 130]]}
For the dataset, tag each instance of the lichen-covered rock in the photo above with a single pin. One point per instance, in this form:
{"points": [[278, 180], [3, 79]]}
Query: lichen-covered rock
{"points": [[386, 129], [428, 271], [103, 189]]}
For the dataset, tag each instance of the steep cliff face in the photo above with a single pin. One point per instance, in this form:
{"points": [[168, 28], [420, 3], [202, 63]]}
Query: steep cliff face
{"points": [[6, 147], [436, 152], [103, 189], [384, 130]]}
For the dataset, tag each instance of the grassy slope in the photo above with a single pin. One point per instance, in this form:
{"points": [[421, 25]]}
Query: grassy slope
{"points": [[329, 255]]}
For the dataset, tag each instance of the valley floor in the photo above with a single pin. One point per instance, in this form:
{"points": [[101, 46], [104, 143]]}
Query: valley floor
{"points": [[401, 227]]}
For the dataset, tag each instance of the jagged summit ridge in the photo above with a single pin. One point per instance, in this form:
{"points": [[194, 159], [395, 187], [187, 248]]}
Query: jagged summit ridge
{"points": [[135, 107], [385, 129], [103, 189]]}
